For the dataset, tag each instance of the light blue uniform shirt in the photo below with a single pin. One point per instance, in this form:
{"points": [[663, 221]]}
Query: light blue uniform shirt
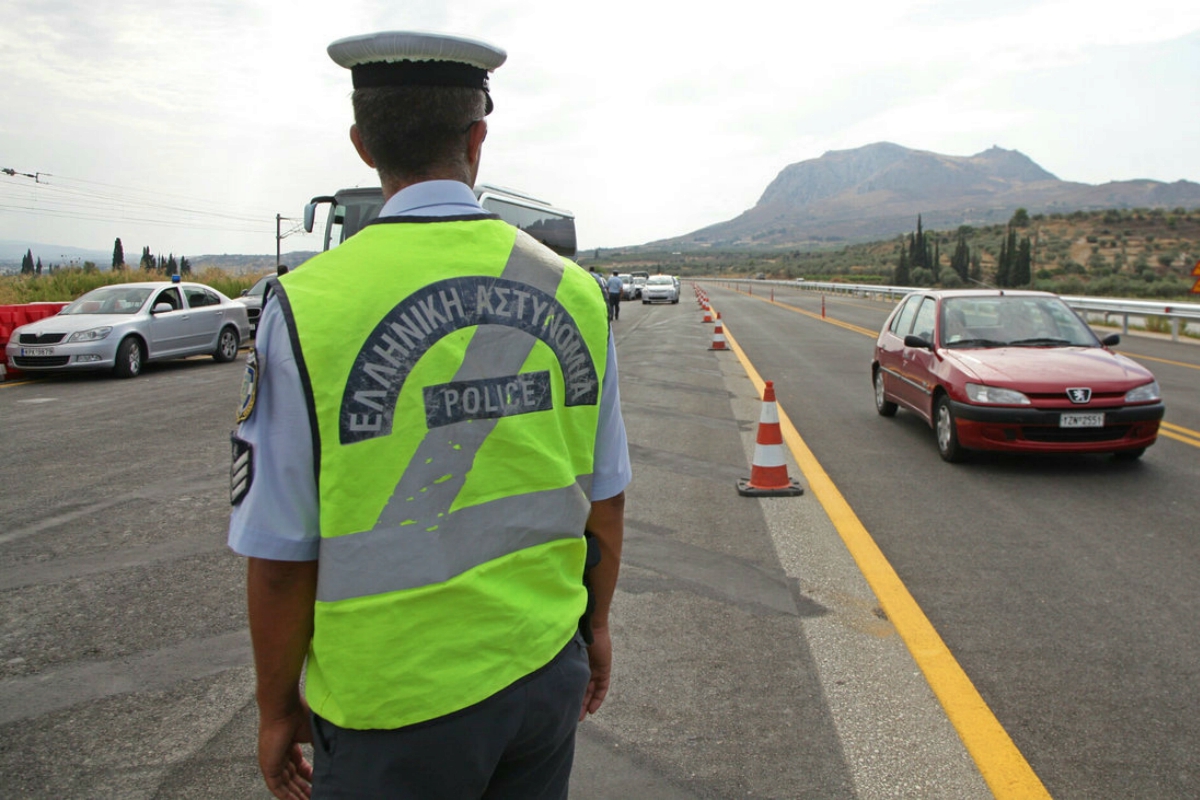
{"points": [[277, 519]]}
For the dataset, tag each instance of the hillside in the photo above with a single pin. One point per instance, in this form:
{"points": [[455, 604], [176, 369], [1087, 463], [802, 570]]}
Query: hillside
{"points": [[1117, 252], [60, 256], [876, 191]]}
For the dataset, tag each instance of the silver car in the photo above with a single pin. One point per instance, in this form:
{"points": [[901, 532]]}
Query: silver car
{"points": [[252, 299], [660, 289], [122, 326]]}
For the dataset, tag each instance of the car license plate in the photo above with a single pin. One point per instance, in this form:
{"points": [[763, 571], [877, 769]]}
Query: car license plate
{"points": [[1081, 420], [37, 351]]}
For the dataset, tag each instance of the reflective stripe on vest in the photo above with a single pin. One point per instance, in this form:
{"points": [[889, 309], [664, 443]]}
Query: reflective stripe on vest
{"points": [[461, 575]]}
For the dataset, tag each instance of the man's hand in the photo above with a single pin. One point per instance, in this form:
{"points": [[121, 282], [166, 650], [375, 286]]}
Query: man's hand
{"points": [[284, 767], [281, 596], [600, 659]]}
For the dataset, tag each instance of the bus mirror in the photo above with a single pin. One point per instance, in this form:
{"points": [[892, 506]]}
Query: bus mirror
{"points": [[310, 216]]}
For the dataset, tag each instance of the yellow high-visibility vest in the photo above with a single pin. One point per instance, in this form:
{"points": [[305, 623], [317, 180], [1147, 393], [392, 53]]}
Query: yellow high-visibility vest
{"points": [[453, 372]]}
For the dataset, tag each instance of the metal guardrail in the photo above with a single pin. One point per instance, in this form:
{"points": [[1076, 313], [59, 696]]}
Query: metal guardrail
{"points": [[1179, 314]]}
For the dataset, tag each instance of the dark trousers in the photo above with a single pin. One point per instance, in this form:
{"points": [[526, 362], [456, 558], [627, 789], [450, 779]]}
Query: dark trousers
{"points": [[614, 305], [516, 745]]}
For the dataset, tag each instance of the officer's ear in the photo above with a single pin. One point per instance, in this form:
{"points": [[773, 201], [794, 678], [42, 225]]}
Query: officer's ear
{"points": [[356, 138], [475, 137]]}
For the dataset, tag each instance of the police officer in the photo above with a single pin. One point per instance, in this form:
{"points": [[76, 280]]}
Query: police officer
{"points": [[429, 423], [615, 287]]}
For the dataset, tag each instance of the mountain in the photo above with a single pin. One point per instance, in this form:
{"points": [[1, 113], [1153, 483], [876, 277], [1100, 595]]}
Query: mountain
{"points": [[877, 191]]}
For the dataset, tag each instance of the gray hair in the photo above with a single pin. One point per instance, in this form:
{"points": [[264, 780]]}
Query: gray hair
{"points": [[417, 132]]}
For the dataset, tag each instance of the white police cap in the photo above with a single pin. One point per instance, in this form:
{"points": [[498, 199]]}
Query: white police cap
{"points": [[409, 58]]}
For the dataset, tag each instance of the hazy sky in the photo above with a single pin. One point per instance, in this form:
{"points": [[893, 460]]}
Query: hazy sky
{"points": [[188, 126]]}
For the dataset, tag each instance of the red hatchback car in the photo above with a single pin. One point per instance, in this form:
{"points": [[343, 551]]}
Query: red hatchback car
{"points": [[1016, 371]]}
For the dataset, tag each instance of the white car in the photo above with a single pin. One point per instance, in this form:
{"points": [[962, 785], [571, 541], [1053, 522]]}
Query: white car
{"points": [[660, 289], [122, 326]]}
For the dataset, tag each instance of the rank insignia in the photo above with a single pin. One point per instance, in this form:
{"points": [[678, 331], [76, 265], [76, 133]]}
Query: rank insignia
{"points": [[249, 387], [241, 470]]}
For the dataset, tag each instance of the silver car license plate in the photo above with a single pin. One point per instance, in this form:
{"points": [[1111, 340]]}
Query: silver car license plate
{"points": [[37, 351], [1094, 420]]}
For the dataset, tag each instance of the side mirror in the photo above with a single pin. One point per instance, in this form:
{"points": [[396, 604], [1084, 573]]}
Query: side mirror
{"points": [[310, 216], [1112, 340], [247, 291], [162, 308], [916, 341]]}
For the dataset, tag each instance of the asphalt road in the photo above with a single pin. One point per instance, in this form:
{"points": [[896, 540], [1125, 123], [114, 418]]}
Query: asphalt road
{"points": [[1066, 587], [752, 658]]}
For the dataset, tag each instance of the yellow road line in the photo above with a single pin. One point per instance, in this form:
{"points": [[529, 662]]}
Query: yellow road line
{"points": [[1005, 770], [1162, 360], [1179, 433]]}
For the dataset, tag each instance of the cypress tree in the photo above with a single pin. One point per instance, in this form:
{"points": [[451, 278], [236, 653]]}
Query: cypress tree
{"points": [[1002, 265], [902, 276], [27, 263], [118, 261], [1022, 270], [960, 261]]}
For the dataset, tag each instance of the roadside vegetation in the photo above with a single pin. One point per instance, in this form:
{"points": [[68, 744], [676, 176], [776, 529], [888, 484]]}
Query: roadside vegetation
{"points": [[68, 283], [1136, 253]]}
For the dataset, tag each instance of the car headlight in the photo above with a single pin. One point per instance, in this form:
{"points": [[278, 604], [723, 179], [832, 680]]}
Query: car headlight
{"points": [[980, 393], [1144, 393], [93, 335]]}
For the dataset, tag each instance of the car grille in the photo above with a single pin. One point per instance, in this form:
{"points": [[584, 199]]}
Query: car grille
{"points": [[252, 314], [41, 338], [1041, 433], [41, 361]]}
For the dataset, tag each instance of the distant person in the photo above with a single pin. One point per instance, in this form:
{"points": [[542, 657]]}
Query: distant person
{"points": [[429, 472], [600, 280], [615, 285], [281, 269]]}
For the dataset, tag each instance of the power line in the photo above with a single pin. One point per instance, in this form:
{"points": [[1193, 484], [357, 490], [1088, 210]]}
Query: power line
{"points": [[60, 213], [75, 198]]}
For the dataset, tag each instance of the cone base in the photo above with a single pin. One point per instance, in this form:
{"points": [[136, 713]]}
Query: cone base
{"points": [[745, 489]]}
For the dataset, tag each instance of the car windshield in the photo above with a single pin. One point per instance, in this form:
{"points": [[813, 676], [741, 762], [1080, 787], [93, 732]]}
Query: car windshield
{"points": [[259, 288], [1012, 321], [110, 300], [660, 280]]}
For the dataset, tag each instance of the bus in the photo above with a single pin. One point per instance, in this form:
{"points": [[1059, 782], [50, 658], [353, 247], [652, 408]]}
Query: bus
{"points": [[351, 209]]}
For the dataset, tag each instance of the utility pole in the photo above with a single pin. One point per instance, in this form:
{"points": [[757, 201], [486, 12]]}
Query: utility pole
{"points": [[281, 234]]}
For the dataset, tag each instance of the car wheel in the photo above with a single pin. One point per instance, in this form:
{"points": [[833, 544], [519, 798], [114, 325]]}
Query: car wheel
{"points": [[129, 358], [947, 432], [227, 346], [885, 407], [1129, 455]]}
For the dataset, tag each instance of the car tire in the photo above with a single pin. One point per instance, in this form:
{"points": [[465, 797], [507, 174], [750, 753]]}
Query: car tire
{"points": [[946, 429], [645, 302], [885, 407], [1129, 455], [227, 346], [130, 358]]}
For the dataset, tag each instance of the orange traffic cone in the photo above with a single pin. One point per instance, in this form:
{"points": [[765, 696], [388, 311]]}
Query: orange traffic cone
{"points": [[708, 317], [718, 342], [768, 473]]}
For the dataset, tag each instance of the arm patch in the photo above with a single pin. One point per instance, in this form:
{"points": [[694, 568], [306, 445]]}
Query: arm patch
{"points": [[241, 471]]}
